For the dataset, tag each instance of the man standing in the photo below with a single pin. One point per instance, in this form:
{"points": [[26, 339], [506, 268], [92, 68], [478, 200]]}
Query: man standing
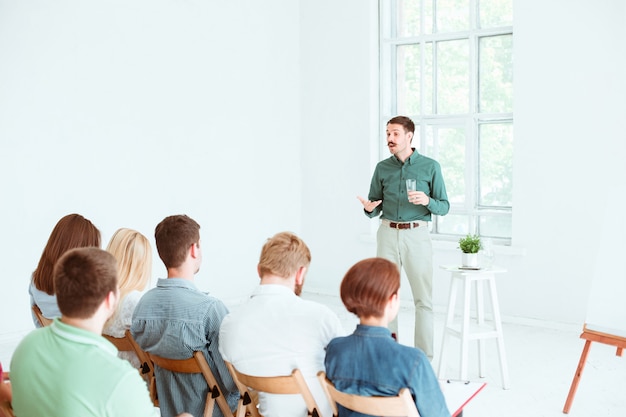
{"points": [[175, 319], [276, 331], [68, 368], [403, 235]]}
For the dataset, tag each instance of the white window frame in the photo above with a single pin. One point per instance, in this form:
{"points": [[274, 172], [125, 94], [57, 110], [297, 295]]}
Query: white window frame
{"points": [[471, 121]]}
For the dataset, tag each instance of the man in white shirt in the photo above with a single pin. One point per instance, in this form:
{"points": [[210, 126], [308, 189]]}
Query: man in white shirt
{"points": [[276, 331]]}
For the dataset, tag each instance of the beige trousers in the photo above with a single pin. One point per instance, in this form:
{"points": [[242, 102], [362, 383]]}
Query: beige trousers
{"points": [[411, 250]]}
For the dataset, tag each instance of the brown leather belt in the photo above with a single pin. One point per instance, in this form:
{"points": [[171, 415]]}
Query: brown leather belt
{"points": [[411, 225]]}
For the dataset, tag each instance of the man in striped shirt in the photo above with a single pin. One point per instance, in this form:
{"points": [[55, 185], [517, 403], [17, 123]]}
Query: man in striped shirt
{"points": [[175, 319]]}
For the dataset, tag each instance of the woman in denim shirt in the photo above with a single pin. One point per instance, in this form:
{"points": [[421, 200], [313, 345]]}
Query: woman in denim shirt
{"points": [[370, 362]]}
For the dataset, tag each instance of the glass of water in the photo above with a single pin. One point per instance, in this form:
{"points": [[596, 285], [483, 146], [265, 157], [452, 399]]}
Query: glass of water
{"points": [[411, 185]]}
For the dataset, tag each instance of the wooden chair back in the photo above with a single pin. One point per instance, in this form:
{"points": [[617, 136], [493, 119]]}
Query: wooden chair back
{"points": [[284, 384], [401, 405], [146, 368], [195, 365], [5, 409], [44, 321], [5, 396]]}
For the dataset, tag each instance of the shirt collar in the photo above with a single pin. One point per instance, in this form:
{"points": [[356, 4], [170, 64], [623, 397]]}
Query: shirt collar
{"points": [[81, 336], [410, 159], [273, 289], [372, 330], [176, 282]]}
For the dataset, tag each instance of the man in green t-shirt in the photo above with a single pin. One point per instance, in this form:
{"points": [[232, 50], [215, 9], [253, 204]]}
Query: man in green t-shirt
{"points": [[403, 236], [68, 368]]}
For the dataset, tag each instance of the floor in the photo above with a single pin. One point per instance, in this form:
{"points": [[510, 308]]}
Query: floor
{"points": [[542, 359]]}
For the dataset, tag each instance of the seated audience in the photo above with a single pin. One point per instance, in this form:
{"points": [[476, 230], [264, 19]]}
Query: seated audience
{"points": [[175, 319], [370, 361], [134, 260], [72, 231], [276, 331], [68, 368]]}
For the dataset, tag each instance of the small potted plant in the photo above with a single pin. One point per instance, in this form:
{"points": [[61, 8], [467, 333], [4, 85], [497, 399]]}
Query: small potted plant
{"points": [[470, 245]]}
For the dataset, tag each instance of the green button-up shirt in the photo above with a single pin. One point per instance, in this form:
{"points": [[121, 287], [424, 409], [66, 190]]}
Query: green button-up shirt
{"points": [[389, 185]]}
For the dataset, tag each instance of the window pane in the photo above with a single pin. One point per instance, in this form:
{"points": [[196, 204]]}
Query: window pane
{"points": [[408, 79], [447, 146], [453, 77], [452, 224], [428, 79], [495, 13], [496, 165], [496, 74], [496, 226], [408, 17], [452, 15], [429, 18]]}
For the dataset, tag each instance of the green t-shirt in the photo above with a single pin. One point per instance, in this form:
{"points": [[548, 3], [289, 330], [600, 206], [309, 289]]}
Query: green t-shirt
{"points": [[64, 371]]}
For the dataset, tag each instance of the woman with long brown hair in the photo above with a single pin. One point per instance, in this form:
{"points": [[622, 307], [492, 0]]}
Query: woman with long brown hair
{"points": [[72, 231]]}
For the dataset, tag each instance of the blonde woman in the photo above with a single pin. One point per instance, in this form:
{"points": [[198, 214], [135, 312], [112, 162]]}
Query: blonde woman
{"points": [[134, 259]]}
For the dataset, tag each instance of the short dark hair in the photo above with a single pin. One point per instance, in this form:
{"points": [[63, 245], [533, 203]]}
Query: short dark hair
{"points": [[368, 285], [173, 236], [83, 277], [404, 121]]}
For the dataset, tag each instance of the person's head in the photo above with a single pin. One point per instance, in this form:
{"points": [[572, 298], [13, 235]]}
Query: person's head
{"points": [[72, 231], [174, 237], [369, 285], [84, 278], [400, 131], [134, 259], [285, 255]]}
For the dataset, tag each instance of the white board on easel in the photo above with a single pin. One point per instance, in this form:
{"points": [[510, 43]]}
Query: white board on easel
{"points": [[606, 309]]}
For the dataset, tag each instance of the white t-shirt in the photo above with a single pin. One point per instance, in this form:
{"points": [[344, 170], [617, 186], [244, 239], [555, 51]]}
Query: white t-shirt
{"points": [[275, 332]]}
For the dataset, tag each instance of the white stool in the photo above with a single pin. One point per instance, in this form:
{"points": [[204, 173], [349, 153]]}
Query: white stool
{"points": [[484, 330]]}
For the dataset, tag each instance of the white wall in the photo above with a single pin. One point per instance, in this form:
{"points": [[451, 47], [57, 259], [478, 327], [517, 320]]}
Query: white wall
{"points": [[256, 117], [129, 111]]}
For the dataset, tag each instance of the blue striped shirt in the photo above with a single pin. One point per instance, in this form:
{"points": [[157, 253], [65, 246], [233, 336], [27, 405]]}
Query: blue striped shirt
{"points": [[173, 320]]}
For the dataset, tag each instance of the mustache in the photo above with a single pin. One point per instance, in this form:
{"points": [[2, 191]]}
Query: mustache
{"points": [[391, 143]]}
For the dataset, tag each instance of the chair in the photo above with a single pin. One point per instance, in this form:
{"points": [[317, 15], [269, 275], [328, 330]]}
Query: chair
{"points": [[401, 405], [5, 409], [195, 365], [286, 384], [5, 396], [146, 369], [44, 321]]}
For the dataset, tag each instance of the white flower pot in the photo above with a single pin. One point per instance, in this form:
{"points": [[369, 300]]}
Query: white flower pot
{"points": [[470, 260]]}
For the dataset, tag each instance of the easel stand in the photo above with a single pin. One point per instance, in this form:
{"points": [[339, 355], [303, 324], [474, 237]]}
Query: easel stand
{"points": [[591, 336]]}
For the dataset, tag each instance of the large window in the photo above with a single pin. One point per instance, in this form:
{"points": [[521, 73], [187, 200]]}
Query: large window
{"points": [[448, 64]]}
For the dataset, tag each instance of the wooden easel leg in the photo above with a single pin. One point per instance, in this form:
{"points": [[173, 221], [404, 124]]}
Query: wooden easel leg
{"points": [[577, 375]]}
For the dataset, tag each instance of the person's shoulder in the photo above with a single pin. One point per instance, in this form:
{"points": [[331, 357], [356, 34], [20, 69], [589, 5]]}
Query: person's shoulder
{"points": [[427, 159], [409, 353], [32, 340], [314, 305], [391, 160], [339, 345]]}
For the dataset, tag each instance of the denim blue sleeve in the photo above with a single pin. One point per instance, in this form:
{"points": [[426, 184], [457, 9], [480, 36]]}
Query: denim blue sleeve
{"points": [[425, 388]]}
